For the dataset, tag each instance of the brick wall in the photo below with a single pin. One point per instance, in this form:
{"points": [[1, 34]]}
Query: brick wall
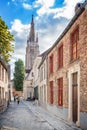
{"points": [[83, 62], [63, 72]]}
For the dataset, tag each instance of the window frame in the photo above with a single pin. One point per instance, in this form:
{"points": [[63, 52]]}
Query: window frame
{"points": [[51, 63], [75, 40], [60, 56]]}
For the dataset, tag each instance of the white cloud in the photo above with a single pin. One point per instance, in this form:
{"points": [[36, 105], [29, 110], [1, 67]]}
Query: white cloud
{"points": [[49, 31], [26, 6], [49, 23], [44, 6], [24, 3], [66, 11], [44, 3], [47, 35], [18, 27], [20, 32]]}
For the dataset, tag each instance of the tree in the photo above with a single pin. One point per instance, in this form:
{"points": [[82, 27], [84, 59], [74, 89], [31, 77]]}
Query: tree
{"points": [[19, 75], [6, 48]]}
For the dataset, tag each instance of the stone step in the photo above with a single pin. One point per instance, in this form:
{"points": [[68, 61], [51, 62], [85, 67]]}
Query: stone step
{"points": [[8, 128]]}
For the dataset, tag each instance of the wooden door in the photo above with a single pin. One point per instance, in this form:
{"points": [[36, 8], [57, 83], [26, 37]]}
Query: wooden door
{"points": [[74, 97], [60, 91], [51, 92]]}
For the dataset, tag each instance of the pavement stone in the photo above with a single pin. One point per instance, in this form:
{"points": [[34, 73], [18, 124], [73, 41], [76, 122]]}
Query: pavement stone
{"points": [[56, 122], [20, 117], [28, 116]]}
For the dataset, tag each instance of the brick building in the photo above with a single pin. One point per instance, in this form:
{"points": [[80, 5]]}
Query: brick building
{"points": [[67, 71]]}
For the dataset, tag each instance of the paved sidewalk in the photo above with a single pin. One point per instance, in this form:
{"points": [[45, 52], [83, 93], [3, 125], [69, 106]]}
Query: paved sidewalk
{"points": [[28, 116], [56, 122], [20, 117]]}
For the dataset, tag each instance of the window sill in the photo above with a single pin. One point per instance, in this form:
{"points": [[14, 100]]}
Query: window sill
{"points": [[50, 74], [59, 68], [72, 61], [61, 107]]}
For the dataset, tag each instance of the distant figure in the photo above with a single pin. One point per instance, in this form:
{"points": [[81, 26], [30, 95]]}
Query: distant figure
{"points": [[14, 99], [18, 99]]}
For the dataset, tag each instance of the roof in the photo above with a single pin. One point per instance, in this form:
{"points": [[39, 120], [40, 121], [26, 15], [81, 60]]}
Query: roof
{"points": [[26, 76], [27, 73], [44, 54], [27, 70], [77, 14], [3, 63]]}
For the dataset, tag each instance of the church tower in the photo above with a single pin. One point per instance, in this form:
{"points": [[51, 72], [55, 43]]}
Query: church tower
{"points": [[32, 49]]}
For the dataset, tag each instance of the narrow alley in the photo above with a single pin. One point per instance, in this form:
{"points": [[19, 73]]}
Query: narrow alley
{"points": [[28, 116]]}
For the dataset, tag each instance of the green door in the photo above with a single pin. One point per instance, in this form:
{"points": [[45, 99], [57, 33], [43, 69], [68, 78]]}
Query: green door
{"points": [[36, 92]]}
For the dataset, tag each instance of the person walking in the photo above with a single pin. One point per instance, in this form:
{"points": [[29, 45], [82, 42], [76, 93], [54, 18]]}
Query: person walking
{"points": [[18, 99], [14, 99]]}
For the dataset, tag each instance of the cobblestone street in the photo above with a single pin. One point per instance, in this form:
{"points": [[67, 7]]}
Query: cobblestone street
{"points": [[27, 116]]}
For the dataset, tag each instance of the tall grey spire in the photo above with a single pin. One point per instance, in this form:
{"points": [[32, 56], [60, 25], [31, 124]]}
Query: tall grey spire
{"points": [[31, 38], [32, 49]]}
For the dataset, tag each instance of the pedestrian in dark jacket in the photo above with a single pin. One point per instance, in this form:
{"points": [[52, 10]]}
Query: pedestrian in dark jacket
{"points": [[14, 99], [18, 99]]}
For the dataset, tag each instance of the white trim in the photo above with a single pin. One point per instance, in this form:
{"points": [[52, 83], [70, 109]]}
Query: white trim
{"points": [[43, 92], [75, 68], [46, 94]]}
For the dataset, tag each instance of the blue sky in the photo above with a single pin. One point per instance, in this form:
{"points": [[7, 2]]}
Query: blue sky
{"points": [[50, 18]]}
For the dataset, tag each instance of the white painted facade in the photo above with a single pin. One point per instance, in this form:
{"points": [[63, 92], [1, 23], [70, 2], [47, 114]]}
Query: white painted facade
{"points": [[36, 72], [43, 83], [28, 89], [11, 89], [4, 95]]}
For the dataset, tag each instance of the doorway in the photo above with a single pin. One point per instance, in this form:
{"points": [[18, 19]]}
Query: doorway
{"points": [[74, 97]]}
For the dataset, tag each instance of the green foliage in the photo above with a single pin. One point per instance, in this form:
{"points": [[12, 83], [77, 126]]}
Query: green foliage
{"points": [[19, 75], [6, 48]]}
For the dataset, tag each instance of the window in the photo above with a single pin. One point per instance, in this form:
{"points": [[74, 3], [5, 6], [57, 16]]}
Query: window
{"points": [[51, 92], [44, 93], [75, 44], [0, 70], [41, 74], [32, 74], [60, 91], [0, 95], [51, 64], [6, 76], [2, 73], [44, 72], [60, 56]]}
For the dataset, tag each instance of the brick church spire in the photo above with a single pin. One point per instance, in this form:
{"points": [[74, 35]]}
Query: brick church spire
{"points": [[32, 49], [31, 38]]}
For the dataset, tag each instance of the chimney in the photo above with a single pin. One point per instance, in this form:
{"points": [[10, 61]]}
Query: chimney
{"points": [[78, 7]]}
